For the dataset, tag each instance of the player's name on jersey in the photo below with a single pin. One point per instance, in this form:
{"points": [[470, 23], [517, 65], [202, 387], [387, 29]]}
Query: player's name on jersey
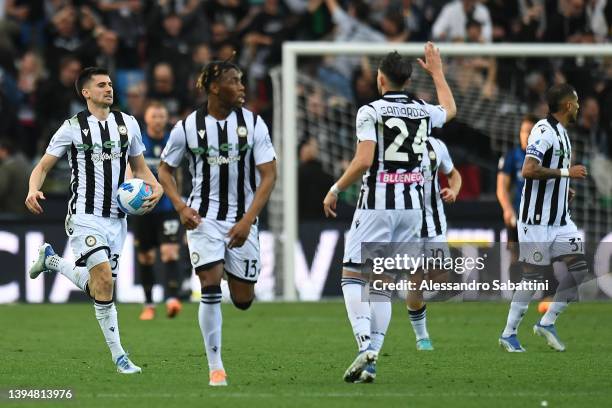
{"points": [[407, 111], [429, 285]]}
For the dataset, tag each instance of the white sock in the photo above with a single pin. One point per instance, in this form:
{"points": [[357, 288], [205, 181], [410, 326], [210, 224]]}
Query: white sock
{"points": [[418, 319], [358, 309], [76, 274], [518, 308], [106, 313], [554, 310], [209, 316], [380, 311]]}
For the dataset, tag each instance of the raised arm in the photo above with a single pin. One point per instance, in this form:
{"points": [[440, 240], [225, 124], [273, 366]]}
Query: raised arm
{"points": [[433, 66]]}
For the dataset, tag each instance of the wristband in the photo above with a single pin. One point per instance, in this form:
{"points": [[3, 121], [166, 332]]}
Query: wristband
{"points": [[335, 190], [564, 172]]}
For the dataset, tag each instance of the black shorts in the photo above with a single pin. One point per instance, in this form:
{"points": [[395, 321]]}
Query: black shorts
{"points": [[152, 230]]}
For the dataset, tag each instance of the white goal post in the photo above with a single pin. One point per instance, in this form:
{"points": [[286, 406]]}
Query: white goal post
{"points": [[288, 146]]}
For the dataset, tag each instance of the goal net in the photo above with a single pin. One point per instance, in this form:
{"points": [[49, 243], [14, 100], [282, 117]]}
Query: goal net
{"points": [[494, 87]]}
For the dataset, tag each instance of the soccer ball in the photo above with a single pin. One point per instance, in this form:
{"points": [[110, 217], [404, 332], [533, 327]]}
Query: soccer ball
{"points": [[131, 195]]}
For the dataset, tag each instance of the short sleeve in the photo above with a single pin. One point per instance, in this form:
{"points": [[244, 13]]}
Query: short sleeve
{"points": [[506, 163], [437, 115], [136, 146], [446, 163], [365, 123], [61, 140], [175, 148], [540, 140], [263, 150]]}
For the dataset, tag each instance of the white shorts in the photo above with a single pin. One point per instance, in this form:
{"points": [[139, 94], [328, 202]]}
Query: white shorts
{"points": [[208, 246], [90, 233], [397, 226], [540, 244], [436, 247]]}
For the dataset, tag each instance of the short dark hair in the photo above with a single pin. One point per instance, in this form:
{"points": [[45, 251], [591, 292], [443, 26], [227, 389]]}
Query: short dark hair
{"points": [[213, 71], [556, 94], [85, 75], [362, 10], [396, 68], [530, 117]]}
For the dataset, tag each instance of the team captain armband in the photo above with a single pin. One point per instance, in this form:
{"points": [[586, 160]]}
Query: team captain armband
{"points": [[533, 151]]}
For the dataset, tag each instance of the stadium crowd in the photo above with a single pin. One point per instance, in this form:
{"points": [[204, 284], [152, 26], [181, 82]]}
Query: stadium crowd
{"points": [[155, 49]]}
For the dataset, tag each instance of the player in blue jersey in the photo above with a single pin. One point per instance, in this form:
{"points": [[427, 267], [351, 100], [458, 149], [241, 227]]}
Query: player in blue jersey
{"points": [[160, 227]]}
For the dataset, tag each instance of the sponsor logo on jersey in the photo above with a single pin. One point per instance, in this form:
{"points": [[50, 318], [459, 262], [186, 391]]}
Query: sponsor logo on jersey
{"points": [[122, 130], [109, 144], [100, 157], [225, 147], [219, 160], [400, 178]]}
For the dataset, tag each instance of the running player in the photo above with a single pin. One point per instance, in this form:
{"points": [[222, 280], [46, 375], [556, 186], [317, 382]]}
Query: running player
{"points": [[433, 230], [99, 144], [392, 133], [546, 231], [233, 167]]}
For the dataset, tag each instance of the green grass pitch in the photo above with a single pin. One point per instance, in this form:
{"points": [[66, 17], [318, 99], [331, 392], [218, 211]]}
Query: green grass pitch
{"points": [[294, 355]]}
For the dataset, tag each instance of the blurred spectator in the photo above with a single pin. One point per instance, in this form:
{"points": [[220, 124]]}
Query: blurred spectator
{"points": [[9, 125], [168, 41], [569, 23], [452, 22], [531, 24], [164, 90], [136, 101], [262, 39], [14, 175], [350, 26], [364, 83], [30, 15], [28, 78], [63, 38], [589, 126], [231, 14], [503, 14], [56, 99], [311, 194], [107, 42], [394, 27], [595, 10], [125, 19]]}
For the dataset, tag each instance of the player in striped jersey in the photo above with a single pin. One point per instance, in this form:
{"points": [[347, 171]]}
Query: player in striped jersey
{"points": [[546, 232], [433, 229], [391, 133], [99, 144], [233, 167]]}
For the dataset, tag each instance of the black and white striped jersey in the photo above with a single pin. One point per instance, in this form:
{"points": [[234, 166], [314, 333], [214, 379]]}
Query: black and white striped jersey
{"points": [[400, 126], [97, 153], [545, 202], [223, 155], [436, 159]]}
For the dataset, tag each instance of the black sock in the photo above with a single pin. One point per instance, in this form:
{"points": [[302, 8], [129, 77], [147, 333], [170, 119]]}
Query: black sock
{"points": [[147, 279], [172, 279]]}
